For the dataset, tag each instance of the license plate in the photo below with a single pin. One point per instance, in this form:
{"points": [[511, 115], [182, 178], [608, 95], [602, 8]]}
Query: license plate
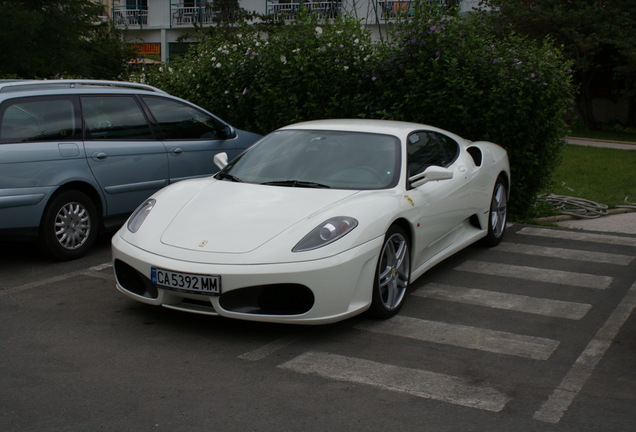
{"points": [[186, 282]]}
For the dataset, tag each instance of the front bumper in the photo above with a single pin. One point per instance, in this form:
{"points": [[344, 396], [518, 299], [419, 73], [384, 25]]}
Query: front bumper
{"points": [[308, 292]]}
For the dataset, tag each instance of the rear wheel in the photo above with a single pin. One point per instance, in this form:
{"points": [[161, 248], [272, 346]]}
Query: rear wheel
{"points": [[392, 275], [497, 214], [69, 226]]}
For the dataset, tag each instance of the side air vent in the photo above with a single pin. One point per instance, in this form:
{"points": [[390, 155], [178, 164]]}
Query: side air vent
{"points": [[475, 153]]}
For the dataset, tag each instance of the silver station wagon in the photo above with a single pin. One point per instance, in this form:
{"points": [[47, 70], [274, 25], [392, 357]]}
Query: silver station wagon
{"points": [[78, 156]]}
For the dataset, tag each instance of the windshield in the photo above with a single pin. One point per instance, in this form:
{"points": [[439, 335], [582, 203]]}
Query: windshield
{"points": [[319, 159]]}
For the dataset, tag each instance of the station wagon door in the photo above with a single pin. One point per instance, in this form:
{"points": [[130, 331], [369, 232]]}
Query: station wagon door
{"points": [[191, 136], [40, 150], [126, 158]]}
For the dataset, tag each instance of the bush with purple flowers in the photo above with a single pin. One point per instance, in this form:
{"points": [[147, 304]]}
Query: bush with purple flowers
{"points": [[438, 68], [260, 81], [449, 71]]}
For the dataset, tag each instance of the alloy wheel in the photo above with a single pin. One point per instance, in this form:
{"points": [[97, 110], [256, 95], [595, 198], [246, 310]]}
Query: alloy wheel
{"points": [[498, 211], [394, 271], [72, 225]]}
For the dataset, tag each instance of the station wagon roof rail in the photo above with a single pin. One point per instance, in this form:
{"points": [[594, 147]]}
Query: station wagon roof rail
{"points": [[6, 86]]}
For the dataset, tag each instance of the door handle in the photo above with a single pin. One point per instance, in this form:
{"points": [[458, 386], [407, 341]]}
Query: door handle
{"points": [[99, 156], [176, 150]]}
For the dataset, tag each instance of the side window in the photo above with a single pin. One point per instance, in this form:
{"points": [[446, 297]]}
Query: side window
{"points": [[179, 121], [428, 148], [39, 119], [114, 118]]}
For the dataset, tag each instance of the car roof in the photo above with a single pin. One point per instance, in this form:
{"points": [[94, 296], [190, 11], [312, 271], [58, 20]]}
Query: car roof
{"points": [[391, 127], [73, 85]]}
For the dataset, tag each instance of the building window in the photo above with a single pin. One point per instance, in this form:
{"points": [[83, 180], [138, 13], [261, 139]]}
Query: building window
{"points": [[137, 4]]}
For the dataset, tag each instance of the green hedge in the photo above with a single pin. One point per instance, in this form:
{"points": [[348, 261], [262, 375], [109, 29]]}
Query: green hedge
{"points": [[262, 80], [450, 72], [437, 68]]}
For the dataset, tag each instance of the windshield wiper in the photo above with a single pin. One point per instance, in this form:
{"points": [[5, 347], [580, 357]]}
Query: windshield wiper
{"points": [[223, 176], [297, 183]]}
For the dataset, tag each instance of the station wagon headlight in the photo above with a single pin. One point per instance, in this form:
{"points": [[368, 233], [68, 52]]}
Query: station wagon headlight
{"points": [[326, 233], [139, 215]]}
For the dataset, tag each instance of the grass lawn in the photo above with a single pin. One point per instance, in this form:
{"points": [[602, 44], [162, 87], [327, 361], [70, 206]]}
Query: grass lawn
{"points": [[606, 176]]}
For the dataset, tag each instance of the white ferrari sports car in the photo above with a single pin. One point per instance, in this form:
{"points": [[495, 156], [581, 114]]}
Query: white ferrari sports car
{"points": [[315, 223]]}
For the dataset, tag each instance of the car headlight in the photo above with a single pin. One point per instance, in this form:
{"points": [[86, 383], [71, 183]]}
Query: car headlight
{"points": [[139, 216], [325, 233]]}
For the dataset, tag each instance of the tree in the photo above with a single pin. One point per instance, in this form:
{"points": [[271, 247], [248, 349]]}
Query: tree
{"points": [[227, 13], [59, 37], [599, 36]]}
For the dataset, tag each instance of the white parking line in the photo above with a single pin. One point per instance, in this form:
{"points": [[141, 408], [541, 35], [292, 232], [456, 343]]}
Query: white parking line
{"points": [[101, 267], [107, 276], [569, 254], [464, 336], [577, 235], [536, 274], [561, 399], [420, 383], [92, 271], [504, 301]]}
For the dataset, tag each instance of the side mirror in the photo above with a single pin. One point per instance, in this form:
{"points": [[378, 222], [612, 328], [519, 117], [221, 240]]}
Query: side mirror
{"points": [[432, 173], [229, 132], [220, 160]]}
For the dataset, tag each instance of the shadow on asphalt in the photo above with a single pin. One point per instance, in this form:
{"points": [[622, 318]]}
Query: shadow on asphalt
{"points": [[19, 251]]}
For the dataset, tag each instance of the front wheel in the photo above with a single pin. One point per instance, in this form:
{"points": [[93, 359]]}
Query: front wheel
{"points": [[497, 214], [69, 226], [392, 274]]}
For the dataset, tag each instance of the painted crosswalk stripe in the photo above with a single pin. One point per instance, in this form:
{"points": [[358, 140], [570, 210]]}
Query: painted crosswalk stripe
{"points": [[578, 235], [560, 400], [420, 383], [464, 336], [569, 254], [504, 301], [536, 274], [270, 348]]}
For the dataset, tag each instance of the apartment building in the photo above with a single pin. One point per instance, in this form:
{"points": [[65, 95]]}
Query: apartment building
{"points": [[164, 28]]}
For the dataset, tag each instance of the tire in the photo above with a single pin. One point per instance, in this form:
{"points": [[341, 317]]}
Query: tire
{"points": [[497, 214], [392, 275], [69, 226]]}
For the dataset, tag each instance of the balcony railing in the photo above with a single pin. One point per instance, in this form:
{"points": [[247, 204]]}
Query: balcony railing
{"points": [[289, 9], [189, 13], [395, 8], [184, 14], [130, 17]]}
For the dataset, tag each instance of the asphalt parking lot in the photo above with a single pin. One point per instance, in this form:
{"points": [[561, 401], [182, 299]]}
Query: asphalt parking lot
{"points": [[537, 334]]}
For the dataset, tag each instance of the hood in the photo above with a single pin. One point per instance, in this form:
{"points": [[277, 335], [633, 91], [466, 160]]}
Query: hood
{"points": [[229, 217]]}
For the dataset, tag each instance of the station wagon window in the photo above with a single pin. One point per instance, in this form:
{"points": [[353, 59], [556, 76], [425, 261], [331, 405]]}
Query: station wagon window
{"points": [[114, 118], [426, 148], [179, 121], [39, 119]]}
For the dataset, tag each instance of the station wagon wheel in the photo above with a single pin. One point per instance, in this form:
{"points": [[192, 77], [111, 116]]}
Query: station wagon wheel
{"points": [[497, 214], [392, 275], [69, 226]]}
